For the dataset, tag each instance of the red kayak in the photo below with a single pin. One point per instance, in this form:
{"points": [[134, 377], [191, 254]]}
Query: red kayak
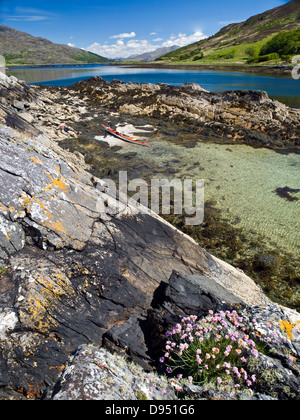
{"points": [[125, 137]]}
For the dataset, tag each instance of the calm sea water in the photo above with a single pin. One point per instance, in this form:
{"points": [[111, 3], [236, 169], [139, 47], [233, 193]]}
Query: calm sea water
{"points": [[287, 90]]}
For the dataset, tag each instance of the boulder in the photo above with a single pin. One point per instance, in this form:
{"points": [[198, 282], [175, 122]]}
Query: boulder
{"points": [[96, 374], [194, 294]]}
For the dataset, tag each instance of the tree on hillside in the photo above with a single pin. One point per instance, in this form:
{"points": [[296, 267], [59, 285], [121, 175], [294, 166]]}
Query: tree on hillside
{"points": [[284, 44]]}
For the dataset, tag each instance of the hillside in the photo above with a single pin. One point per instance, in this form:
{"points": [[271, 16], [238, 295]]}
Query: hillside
{"points": [[21, 48], [152, 55], [238, 42]]}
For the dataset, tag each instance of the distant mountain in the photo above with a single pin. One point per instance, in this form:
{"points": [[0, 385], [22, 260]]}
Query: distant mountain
{"points": [[150, 56], [21, 48], [237, 41]]}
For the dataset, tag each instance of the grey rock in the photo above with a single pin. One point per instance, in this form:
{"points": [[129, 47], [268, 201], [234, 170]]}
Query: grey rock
{"points": [[131, 338], [195, 294], [96, 374]]}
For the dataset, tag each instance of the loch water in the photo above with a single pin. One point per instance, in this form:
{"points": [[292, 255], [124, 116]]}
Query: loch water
{"points": [[285, 89]]}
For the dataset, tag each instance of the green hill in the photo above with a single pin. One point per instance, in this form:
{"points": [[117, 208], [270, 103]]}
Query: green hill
{"points": [[243, 42], [21, 48]]}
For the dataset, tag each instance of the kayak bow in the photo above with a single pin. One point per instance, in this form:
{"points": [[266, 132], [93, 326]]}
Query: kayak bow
{"points": [[125, 137]]}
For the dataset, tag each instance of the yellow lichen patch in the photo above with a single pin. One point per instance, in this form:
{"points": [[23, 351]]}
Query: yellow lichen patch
{"points": [[44, 294], [35, 160], [58, 227], [30, 204], [3, 208], [58, 183], [42, 206], [287, 327], [25, 200]]}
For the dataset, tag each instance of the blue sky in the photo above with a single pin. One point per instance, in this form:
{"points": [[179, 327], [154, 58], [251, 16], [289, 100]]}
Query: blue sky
{"points": [[120, 28]]}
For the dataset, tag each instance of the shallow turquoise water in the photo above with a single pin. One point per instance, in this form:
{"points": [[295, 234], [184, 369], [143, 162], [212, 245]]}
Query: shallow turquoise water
{"points": [[242, 182]]}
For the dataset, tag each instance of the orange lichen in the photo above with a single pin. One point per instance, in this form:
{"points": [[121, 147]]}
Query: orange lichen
{"points": [[287, 327], [25, 199], [57, 183], [3, 208], [45, 293], [58, 227], [35, 160]]}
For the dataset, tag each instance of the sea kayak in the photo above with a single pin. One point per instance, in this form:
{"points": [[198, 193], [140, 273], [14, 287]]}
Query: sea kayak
{"points": [[124, 137]]}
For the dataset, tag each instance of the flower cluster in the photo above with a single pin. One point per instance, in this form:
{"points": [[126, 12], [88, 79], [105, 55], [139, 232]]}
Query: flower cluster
{"points": [[213, 349]]}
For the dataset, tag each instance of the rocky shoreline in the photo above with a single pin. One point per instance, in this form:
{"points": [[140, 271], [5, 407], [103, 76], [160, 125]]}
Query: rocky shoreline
{"points": [[78, 286], [279, 71], [247, 117]]}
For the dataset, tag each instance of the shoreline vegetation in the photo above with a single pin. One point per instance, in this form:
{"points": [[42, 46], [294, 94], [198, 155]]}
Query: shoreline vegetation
{"points": [[274, 70]]}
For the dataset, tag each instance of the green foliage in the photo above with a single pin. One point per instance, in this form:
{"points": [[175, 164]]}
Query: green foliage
{"points": [[141, 396], [222, 55], [89, 58], [254, 21], [9, 57], [284, 43], [213, 350], [198, 57], [264, 58], [252, 52], [194, 55], [3, 270]]}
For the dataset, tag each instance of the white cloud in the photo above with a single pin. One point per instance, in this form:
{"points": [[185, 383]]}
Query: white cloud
{"points": [[183, 39], [26, 18], [125, 35], [121, 49], [126, 49], [153, 33], [71, 45], [28, 14], [29, 10]]}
